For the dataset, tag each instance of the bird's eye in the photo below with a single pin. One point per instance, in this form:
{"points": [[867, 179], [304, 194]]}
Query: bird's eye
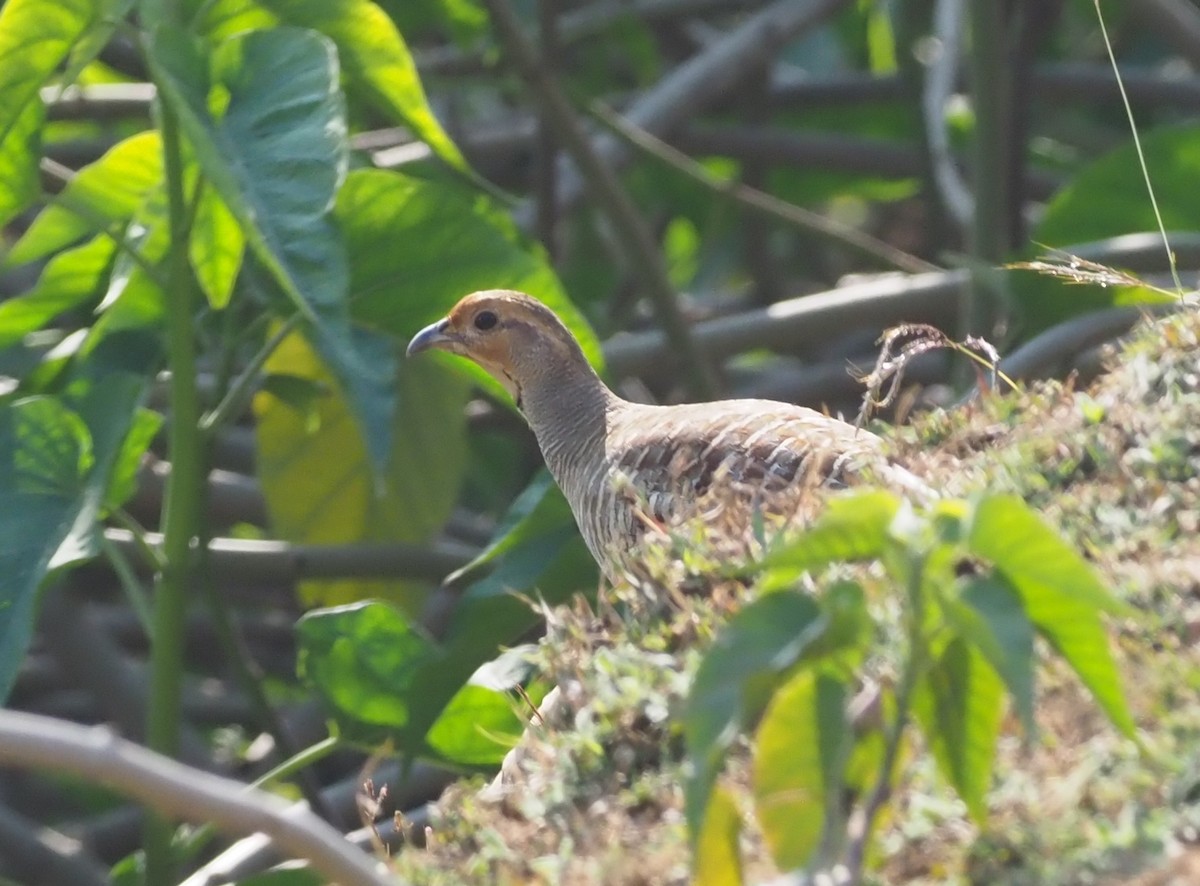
{"points": [[485, 320]]}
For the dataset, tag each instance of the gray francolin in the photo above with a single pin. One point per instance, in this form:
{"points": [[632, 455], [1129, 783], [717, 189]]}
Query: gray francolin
{"points": [[628, 469]]}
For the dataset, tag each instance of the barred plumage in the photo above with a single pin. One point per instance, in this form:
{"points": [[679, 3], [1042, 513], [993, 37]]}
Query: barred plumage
{"points": [[627, 468]]}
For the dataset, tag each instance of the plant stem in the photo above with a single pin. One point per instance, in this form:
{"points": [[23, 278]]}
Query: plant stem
{"points": [[914, 665], [234, 400], [628, 227], [991, 91], [294, 764], [183, 501]]}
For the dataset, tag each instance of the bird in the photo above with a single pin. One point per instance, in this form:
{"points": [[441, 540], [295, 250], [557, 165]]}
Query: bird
{"points": [[633, 470]]}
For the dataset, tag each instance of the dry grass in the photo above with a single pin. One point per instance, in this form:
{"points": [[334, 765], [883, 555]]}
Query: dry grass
{"points": [[593, 795]]}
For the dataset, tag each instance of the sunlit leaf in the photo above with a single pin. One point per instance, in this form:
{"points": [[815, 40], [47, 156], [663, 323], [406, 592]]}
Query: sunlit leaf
{"points": [[465, 244], [992, 619], [1061, 593], [376, 61], [852, 527], [69, 280], [19, 162], [110, 189], [35, 38], [215, 248], [800, 750], [959, 704], [735, 679], [718, 854], [364, 659], [318, 479], [477, 728]]}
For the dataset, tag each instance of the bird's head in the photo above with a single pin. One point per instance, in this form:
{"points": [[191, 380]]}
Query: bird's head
{"points": [[515, 337]]}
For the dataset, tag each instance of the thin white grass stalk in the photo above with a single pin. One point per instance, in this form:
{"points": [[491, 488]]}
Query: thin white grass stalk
{"points": [[1137, 144]]}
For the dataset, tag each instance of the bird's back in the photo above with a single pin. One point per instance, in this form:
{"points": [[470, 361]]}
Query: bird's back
{"points": [[715, 462]]}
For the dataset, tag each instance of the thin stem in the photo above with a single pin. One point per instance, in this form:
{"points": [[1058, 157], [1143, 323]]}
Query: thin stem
{"points": [[183, 501], [1137, 145], [627, 225], [991, 91], [138, 599], [150, 552], [760, 202], [102, 225], [296, 763], [914, 666], [242, 388]]}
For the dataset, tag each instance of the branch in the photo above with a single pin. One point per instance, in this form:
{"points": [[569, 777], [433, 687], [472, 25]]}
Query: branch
{"points": [[762, 203], [256, 561], [254, 853], [37, 853], [178, 791], [807, 322], [706, 78], [627, 225], [1177, 23]]}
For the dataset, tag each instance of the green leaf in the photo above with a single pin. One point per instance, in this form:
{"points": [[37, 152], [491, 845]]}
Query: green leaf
{"points": [[55, 464], [69, 279], [959, 703], [376, 61], [540, 509], [35, 38], [19, 162], [122, 484], [277, 156], [112, 188], [221, 19], [990, 616], [852, 527], [291, 876], [317, 476], [1063, 597], [718, 855], [477, 728], [215, 248], [735, 681], [109, 15], [1031, 555], [1108, 199], [364, 659], [800, 752], [465, 244], [549, 562]]}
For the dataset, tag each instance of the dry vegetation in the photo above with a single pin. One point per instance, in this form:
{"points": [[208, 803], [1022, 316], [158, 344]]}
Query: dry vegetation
{"points": [[592, 795]]}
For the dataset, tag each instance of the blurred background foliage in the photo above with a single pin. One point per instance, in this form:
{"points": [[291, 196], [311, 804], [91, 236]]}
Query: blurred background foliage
{"points": [[804, 174]]}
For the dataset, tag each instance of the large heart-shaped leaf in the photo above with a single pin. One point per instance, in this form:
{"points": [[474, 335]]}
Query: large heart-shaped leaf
{"points": [[317, 476], [377, 62], [275, 149], [416, 247]]}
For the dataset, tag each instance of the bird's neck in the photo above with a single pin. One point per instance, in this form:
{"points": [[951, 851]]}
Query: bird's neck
{"points": [[568, 410]]}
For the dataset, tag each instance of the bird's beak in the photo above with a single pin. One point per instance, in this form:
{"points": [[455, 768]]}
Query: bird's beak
{"points": [[432, 336]]}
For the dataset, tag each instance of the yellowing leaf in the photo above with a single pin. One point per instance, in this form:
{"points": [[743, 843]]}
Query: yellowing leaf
{"points": [[318, 480]]}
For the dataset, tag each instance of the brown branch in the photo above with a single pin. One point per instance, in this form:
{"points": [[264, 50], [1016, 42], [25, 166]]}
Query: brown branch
{"points": [[179, 791], [279, 561], [627, 225], [763, 204]]}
